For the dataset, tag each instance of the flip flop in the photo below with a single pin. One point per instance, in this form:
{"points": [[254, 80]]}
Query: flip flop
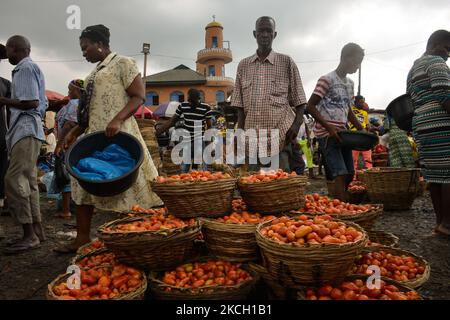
{"points": [[19, 248], [63, 216], [65, 249]]}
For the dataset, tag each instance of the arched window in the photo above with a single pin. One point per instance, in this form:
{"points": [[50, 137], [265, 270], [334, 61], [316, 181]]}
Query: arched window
{"points": [[202, 96], [177, 96], [152, 99], [215, 42], [220, 96]]}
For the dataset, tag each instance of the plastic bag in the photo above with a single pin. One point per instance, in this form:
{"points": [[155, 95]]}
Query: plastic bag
{"points": [[108, 164]]}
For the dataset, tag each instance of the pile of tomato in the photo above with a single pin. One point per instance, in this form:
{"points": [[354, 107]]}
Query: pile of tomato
{"points": [[317, 204], [194, 176], [245, 218], [151, 223], [267, 176]]}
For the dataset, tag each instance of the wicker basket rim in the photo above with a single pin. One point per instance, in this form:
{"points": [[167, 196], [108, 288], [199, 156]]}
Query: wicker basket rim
{"points": [[378, 209], [164, 232], [196, 183], [79, 257], [391, 170], [152, 277], [315, 246], [273, 182], [139, 290], [401, 286]]}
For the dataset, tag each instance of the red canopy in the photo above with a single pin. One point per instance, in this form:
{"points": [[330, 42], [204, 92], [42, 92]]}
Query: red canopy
{"points": [[148, 114], [52, 95]]}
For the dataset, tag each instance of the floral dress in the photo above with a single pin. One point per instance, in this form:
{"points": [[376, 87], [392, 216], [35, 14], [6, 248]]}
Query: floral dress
{"points": [[115, 74]]}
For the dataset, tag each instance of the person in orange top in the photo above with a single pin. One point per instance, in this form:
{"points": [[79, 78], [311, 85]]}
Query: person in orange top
{"points": [[359, 109]]}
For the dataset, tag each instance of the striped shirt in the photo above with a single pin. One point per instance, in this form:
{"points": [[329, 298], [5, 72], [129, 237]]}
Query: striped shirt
{"points": [[194, 119], [27, 84], [337, 99]]}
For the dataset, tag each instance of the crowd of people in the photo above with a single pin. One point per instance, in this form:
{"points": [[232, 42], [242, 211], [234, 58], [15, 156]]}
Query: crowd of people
{"points": [[268, 95]]}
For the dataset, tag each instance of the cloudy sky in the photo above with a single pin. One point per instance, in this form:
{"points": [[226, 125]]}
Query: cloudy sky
{"points": [[312, 32]]}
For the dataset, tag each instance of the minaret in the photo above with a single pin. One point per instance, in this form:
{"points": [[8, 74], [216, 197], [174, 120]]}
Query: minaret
{"points": [[211, 60]]}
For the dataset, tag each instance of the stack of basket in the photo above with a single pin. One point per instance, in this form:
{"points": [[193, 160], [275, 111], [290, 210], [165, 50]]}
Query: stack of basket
{"points": [[147, 128], [380, 159], [395, 188]]}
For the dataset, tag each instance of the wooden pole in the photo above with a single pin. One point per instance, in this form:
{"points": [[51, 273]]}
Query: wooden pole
{"points": [[145, 51]]}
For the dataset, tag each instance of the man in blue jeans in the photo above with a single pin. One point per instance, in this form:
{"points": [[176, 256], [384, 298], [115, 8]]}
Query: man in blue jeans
{"points": [[197, 117], [330, 105]]}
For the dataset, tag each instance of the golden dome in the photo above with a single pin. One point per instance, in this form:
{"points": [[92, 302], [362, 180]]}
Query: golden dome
{"points": [[214, 24]]}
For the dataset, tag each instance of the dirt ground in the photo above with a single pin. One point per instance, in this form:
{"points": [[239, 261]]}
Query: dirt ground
{"points": [[26, 276]]}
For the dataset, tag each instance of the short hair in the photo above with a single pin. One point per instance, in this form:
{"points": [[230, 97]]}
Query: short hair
{"points": [[265, 18], [97, 33], [351, 49], [19, 42], [194, 93], [438, 37], [359, 97]]}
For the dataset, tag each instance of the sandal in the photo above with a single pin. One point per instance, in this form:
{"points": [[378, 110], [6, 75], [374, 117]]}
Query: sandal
{"points": [[20, 247], [63, 216]]}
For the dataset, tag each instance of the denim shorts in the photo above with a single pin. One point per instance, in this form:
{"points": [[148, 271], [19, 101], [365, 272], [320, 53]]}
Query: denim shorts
{"points": [[339, 160]]}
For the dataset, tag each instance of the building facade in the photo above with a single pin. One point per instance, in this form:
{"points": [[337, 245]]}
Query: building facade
{"points": [[209, 77]]}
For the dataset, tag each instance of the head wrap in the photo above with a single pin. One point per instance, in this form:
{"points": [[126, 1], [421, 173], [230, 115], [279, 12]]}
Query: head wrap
{"points": [[97, 33], [77, 83]]}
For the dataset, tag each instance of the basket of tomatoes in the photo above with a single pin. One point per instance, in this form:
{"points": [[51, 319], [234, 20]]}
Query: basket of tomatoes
{"points": [[205, 279], [358, 287], [269, 192], [94, 245], [233, 237], [156, 242], [113, 282], [309, 251], [363, 214], [382, 239], [196, 194], [94, 259], [400, 265]]}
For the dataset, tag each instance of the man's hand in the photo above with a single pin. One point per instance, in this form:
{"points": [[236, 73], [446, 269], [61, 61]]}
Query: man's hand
{"points": [[113, 128], [3, 101], [59, 148], [334, 133], [293, 131]]}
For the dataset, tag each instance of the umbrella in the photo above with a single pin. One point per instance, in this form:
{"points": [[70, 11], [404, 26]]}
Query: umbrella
{"points": [[166, 109], [52, 95], [148, 114]]}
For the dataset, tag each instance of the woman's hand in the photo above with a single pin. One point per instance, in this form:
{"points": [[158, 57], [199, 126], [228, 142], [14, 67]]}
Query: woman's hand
{"points": [[113, 128], [59, 148], [69, 139]]}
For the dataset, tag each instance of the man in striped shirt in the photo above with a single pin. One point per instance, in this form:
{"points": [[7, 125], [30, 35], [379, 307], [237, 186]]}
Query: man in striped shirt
{"points": [[196, 118], [330, 104]]}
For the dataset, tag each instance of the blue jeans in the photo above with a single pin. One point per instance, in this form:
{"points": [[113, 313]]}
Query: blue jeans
{"points": [[185, 167], [338, 159]]}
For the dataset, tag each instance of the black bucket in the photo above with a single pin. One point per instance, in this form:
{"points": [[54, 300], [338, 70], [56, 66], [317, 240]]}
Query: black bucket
{"points": [[402, 110], [97, 141]]}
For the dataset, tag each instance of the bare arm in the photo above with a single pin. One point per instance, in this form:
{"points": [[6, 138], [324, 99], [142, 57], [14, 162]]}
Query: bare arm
{"points": [[68, 126], [167, 125], [312, 110], [136, 92], [22, 105]]}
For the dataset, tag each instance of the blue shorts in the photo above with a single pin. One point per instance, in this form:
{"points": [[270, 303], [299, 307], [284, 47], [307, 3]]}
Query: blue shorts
{"points": [[339, 160]]}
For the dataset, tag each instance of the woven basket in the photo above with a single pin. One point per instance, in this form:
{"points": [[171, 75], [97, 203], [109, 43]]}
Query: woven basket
{"points": [[229, 241], [301, 295], [238, 292], [309, 265], [78, 258], [386, 239], [414, 283], [276, 196], [366, 220], [395, 188], [152, 250], [138, 294], [381, 163], [197, 199], [357, 197], [276, 290], [81, 249]]}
